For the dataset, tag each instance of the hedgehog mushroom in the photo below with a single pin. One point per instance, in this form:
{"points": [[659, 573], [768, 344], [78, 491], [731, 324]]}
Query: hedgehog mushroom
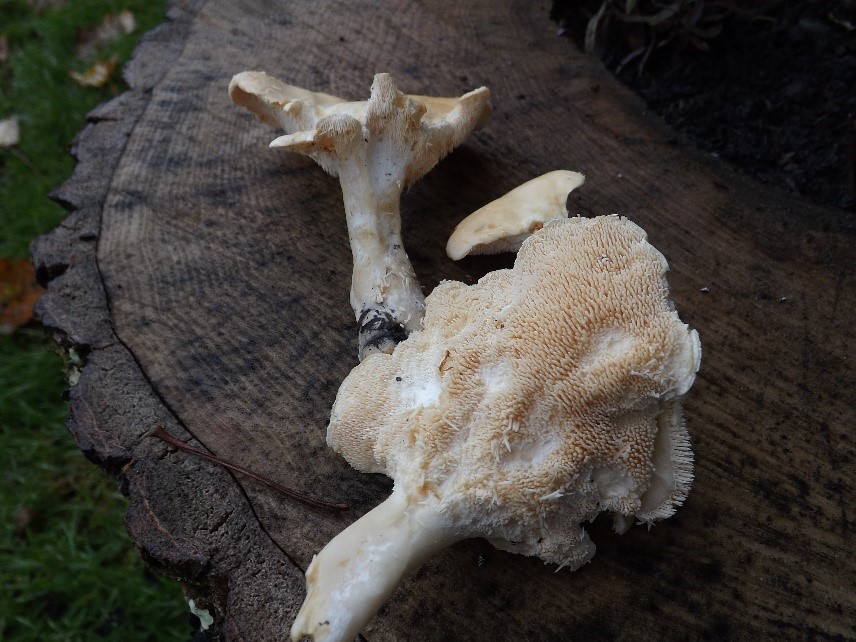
{"points": [[529, 403], [502, 225], [376, 148]]}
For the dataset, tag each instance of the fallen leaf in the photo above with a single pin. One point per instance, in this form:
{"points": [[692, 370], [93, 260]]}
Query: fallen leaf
{"points": [[127, 21], [111, 28], [10, 132], [4, 49], [18, 293], [97, 75]]}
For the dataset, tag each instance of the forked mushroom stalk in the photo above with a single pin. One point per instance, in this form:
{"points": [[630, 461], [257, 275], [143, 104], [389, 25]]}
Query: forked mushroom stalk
{"points": [[377, 148]]}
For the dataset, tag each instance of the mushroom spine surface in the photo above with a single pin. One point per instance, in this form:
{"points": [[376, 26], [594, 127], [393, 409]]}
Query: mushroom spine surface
{"points": [[527, 404]]}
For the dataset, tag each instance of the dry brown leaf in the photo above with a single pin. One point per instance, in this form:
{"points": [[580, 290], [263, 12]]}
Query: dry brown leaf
{"points": [[4, 49], [10, 132], [97, 75], [111, 28], [18, 293]]}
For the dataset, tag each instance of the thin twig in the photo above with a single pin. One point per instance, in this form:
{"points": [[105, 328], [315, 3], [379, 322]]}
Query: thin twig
{"points": [[163, 435], [30, 165]]}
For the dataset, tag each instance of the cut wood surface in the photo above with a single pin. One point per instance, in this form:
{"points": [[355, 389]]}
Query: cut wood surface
{"points": [[204, 278]]}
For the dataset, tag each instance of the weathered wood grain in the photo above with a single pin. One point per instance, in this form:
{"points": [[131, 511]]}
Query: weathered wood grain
{"points": [[205, 279]]}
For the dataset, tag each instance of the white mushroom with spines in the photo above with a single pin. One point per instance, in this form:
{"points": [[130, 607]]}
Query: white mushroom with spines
{"points": [[528, 404]]}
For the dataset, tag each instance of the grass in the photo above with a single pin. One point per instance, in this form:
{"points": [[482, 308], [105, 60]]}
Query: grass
{"points": [[67, 567], [50, 106]]}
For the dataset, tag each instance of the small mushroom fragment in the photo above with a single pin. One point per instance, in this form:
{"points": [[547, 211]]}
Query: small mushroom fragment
{"points": [[502, 225], [529, 403], [377, 148]]}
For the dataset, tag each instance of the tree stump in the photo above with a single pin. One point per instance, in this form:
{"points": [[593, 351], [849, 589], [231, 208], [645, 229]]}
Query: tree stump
{"points": [[204, 280]]}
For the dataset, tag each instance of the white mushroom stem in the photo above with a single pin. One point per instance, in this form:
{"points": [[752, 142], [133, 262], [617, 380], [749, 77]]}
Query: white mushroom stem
{"points": [[376, 148], [349, 580], [385, 294]]}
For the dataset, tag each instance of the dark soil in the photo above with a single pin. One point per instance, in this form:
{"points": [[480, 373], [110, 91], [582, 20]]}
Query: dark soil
{"points": [[774, 93]]}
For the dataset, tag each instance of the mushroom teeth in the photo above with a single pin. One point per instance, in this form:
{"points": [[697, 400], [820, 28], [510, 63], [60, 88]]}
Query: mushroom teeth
{"points": [[529, 403]]}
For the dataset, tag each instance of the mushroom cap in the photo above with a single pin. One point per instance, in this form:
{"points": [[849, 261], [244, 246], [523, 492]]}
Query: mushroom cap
{"points": [[502, 225], [279, 104], [536, 398], [417, 131]]}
